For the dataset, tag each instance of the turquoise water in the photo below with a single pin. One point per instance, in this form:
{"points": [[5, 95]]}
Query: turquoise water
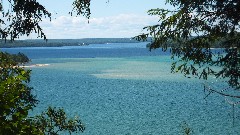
{"points": [[122, 94]]}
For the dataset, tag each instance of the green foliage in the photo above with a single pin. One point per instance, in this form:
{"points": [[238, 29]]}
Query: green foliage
{"points": [[64, 42], [189, 32], [19, 58], [22, 18], [54, 121], [81, 7], [16, 99]]}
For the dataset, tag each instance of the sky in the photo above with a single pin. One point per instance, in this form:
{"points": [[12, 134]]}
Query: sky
{"points": [[113, 19]]}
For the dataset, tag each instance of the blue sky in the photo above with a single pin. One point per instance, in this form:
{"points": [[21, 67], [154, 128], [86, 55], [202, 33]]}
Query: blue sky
{"points": [[114, 19]]}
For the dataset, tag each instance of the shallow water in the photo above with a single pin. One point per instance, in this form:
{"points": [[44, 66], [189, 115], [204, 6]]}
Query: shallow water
{"points": [[130, 96], [134, 94]]}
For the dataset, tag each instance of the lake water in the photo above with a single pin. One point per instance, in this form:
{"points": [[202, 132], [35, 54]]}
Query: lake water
{"points": [[123, 89]]}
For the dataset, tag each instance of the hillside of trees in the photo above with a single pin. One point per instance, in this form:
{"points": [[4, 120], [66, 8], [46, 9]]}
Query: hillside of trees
{"points": [[63, 42]]}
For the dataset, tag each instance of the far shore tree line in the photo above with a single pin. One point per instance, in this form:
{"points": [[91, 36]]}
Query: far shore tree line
{"points": [[192, 28], [63, 42]]}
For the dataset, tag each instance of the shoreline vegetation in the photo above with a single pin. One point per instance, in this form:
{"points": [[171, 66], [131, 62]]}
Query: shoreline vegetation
{"points": [[77, 42], [62, 42], [18, 60]]}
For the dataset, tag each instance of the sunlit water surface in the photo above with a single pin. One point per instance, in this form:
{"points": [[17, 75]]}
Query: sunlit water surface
{"points": [[123, 89]]}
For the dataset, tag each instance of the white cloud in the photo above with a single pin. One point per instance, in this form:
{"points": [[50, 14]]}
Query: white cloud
{"points": [[123, 25]]}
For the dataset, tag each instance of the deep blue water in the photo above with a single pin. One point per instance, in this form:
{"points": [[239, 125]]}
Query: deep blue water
{"points": [[124, 89], [90, 51]]}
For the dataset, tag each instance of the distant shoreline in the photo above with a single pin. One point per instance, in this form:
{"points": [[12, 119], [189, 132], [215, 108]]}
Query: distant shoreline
{"points": [[63, 42]]}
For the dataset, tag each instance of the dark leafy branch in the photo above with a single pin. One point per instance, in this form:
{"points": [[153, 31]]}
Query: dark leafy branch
{"points": [[192, 29], [23, 18], [81, 7], [54, 121]]}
